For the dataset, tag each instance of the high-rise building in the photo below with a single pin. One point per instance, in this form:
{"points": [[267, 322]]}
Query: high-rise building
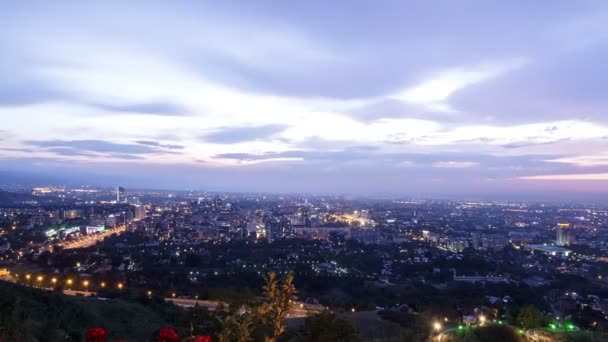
{"points": [[563, 234], [120, 194], [111, 221], [140, 212]]}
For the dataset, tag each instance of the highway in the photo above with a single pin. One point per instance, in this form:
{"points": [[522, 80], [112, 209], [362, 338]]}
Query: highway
{"points": [[90, 240], [298, 310]]}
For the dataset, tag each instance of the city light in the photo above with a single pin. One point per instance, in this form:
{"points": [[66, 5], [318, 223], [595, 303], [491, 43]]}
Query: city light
{"points": [[482, 319], [437, 326]]}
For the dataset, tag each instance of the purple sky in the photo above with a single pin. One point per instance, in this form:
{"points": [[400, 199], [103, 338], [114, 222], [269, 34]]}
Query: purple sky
{"points": [[400, 97]]}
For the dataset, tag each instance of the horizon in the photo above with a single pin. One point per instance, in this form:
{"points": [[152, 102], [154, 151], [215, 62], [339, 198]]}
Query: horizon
{"points": [[430, 100]]}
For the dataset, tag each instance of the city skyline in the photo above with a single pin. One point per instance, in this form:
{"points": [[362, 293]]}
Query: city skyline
{"points": [[390, 97]]}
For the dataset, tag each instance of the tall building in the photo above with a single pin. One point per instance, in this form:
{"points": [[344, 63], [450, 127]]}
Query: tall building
{"points": [[120, 194], [111, 221], [140, 212], [563, 234]]}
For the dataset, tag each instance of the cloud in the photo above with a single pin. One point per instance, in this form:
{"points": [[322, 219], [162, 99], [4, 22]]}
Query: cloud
{"points": [[93, 146], [381, 92], [100, 148], [151, 108], [531, 142], [455, 164], [583, 160], [157, 144], [433, 92], [570, 177], [232, 135], [71, 152]]}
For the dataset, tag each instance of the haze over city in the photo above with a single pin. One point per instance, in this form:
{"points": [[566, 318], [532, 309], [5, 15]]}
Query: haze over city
{"points": [[441, 98]]}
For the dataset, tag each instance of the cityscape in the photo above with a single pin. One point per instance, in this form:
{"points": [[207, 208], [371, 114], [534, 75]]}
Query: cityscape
{"points": [[304, 171], [398, 268]]}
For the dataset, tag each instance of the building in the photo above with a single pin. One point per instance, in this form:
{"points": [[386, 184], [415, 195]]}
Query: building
{"points": [[550, 250], [563, 234], [140, 212], [111, 221], [457, 244], [72, 213], [120, 194], [494, 242]]}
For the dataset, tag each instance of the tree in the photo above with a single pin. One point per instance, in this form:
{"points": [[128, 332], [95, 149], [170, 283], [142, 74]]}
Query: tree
{"points": [[19, 327], [326, 326], [237, 328], [279, 297], [530, 317]]}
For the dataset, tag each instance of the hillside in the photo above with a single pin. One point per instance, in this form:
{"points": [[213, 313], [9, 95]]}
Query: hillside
{"points": [[37, 315]]}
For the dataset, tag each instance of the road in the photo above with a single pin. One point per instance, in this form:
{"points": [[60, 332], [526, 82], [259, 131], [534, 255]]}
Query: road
{"points": [[298, 310], [91, 240]]}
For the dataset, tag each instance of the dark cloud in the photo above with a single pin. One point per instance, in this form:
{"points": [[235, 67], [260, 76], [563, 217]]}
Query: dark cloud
{"points": [[419, 161], [93, 146], [125, 156], [100, 148], [15, 149], [66, 151], [232, 135]]}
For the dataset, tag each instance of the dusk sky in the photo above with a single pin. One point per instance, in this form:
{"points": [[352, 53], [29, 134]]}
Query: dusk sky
{"points": [[364, 97]]}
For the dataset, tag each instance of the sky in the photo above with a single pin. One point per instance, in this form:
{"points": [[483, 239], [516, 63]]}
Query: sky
{"points": [[363, 97]]}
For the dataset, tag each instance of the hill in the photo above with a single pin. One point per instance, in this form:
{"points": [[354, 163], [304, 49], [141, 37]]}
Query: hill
{"points": [[28, 314]]}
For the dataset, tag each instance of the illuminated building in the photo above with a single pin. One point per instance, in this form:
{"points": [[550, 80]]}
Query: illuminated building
{"points": [[563, 236], [120, 194], [140, 212]]}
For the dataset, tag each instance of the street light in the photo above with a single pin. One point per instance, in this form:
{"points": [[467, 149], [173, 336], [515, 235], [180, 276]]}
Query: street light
{"points": [[120, 286], [437, 326], [482, 319], [103, 284], [70, 281], [86, 285], [54, 281]]}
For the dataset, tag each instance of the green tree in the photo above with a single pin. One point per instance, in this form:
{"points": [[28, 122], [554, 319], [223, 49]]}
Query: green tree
{"points": [[280, 295], [530, 317], [326, 326], [237, 328]]}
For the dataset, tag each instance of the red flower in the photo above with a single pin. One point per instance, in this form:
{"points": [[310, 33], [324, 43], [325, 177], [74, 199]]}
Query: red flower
{"points": [[167, 335], [96, 335]]}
